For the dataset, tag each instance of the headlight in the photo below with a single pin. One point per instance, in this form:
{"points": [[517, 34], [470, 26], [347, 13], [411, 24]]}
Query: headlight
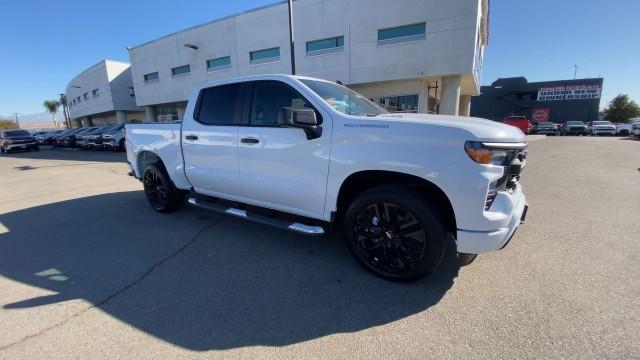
{"points": [[492, 153]]}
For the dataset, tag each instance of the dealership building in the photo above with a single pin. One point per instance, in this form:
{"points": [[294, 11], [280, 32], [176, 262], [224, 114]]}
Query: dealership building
{"points": [[103, 94], [555, 101], [407, 55]]}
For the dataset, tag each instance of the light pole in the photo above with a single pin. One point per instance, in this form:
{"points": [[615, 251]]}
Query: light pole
{"points": [[17, 122], [575, 71], [293, 56]]}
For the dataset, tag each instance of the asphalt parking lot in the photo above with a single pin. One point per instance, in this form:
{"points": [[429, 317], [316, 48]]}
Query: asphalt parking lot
{"points": [[88, 270]]}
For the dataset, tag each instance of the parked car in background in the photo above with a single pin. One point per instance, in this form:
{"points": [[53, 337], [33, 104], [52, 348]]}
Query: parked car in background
{"points": [[45, 138], [623, 129], [11, 140], [69, 140], [83, 140], [574, 128], [521, 122], [635, 128], [603, 128], [114, 139], [545, 128], [56, 139], [303, 154], [95, 140]]}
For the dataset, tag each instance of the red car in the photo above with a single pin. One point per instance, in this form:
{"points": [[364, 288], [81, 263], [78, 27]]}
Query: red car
{"points": [[520, 122]]}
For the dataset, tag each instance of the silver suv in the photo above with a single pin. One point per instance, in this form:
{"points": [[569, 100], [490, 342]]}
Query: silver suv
{"points": [[114, 139]]}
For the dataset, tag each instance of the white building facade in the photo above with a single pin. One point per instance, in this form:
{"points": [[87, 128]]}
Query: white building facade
{"points": [[407, 55], [103, 94]]}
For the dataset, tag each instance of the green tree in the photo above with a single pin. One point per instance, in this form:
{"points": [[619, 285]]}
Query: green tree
{"points": [[621, 109], [52, 108], [6, 124]]}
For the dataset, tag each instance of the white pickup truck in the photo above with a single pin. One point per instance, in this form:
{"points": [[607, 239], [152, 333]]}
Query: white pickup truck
{"points": [[305, 154]]}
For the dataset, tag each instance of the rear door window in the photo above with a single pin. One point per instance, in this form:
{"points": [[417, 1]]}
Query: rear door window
{"points": [[219, 105]]}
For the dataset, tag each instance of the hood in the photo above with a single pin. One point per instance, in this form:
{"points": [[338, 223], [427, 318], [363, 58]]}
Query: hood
{"points": [[482, 129]]}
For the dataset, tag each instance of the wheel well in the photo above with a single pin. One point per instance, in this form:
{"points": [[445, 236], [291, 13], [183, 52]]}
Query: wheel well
{"points": [[360, 182], [145, 158]]}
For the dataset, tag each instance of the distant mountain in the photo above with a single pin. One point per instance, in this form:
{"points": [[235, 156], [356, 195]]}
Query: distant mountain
{"points": [[39, 120]]}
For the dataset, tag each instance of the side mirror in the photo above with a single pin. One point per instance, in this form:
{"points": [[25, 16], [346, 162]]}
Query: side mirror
{"points": [[303, 118], [299, 117]]}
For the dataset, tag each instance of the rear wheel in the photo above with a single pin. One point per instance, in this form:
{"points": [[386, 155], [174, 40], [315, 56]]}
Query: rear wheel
{"points": [[161, 194], [121, 146], [394, 234]]}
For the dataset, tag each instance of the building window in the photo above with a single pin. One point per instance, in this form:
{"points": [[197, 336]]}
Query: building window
{"points": [[73, 102], [181, 71], [265, 56], [78, 98], [85, 96], [151, 77], [220, 63], [95, 93], [167, 113], [132, 91], [401, 34], [404, 103], [325, 46]]}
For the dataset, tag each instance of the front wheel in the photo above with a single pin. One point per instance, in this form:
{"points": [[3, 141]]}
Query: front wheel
{"points": [[161, 194], [394, 233]]}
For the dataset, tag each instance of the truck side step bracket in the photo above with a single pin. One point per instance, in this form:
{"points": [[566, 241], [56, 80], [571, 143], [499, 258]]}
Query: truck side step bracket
{"points": [[282, 224]]}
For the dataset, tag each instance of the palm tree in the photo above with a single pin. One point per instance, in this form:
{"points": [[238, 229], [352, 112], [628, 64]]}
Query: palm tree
{"points": [[65, 110], [52, 108]]}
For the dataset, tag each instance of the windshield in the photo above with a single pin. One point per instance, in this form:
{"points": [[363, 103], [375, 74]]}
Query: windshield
{"points": [[602, 123], [545, 124], [575, 123], [16, 133], [344, 99]]}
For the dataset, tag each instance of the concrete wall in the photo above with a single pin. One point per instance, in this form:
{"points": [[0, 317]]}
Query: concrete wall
{"points": [[449, 47], [112, 79], [94, 77]]}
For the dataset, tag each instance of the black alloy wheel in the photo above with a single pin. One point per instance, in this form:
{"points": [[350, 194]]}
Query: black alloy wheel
{"points": [[159, 190], [390, 237], [394, 234]]}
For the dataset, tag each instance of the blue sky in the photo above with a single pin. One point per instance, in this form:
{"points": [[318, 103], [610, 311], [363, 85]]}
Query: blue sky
{"points": [[43, 44]]}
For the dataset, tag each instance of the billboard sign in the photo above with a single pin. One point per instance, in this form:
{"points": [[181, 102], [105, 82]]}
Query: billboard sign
{"points": [[570, 92]]}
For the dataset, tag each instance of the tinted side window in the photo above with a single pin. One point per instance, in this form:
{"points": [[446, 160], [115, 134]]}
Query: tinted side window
{"points": [[269, 97], [218, 105]]}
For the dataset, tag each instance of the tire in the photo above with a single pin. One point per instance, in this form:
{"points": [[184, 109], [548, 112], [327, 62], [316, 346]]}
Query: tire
{"points": [[378, 243], [121, 146], [36, 148], [2, 149], [159, 190]]}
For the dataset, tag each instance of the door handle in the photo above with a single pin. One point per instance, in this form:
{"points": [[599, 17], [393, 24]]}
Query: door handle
{"points": [[249, 140], [191, 137]]}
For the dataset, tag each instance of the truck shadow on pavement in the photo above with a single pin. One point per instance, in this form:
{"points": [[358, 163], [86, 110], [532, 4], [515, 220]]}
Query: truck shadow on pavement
{"points": [[198, 280]]}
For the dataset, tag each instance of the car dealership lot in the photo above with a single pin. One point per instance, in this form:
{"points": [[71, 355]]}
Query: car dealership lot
{"points": [[87, 269]]}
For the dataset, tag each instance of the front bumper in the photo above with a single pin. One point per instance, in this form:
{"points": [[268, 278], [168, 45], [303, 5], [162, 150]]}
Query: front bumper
{"points": [[110, 144], [546, 132], [604, 131], [22, 146], [510, 209]]}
